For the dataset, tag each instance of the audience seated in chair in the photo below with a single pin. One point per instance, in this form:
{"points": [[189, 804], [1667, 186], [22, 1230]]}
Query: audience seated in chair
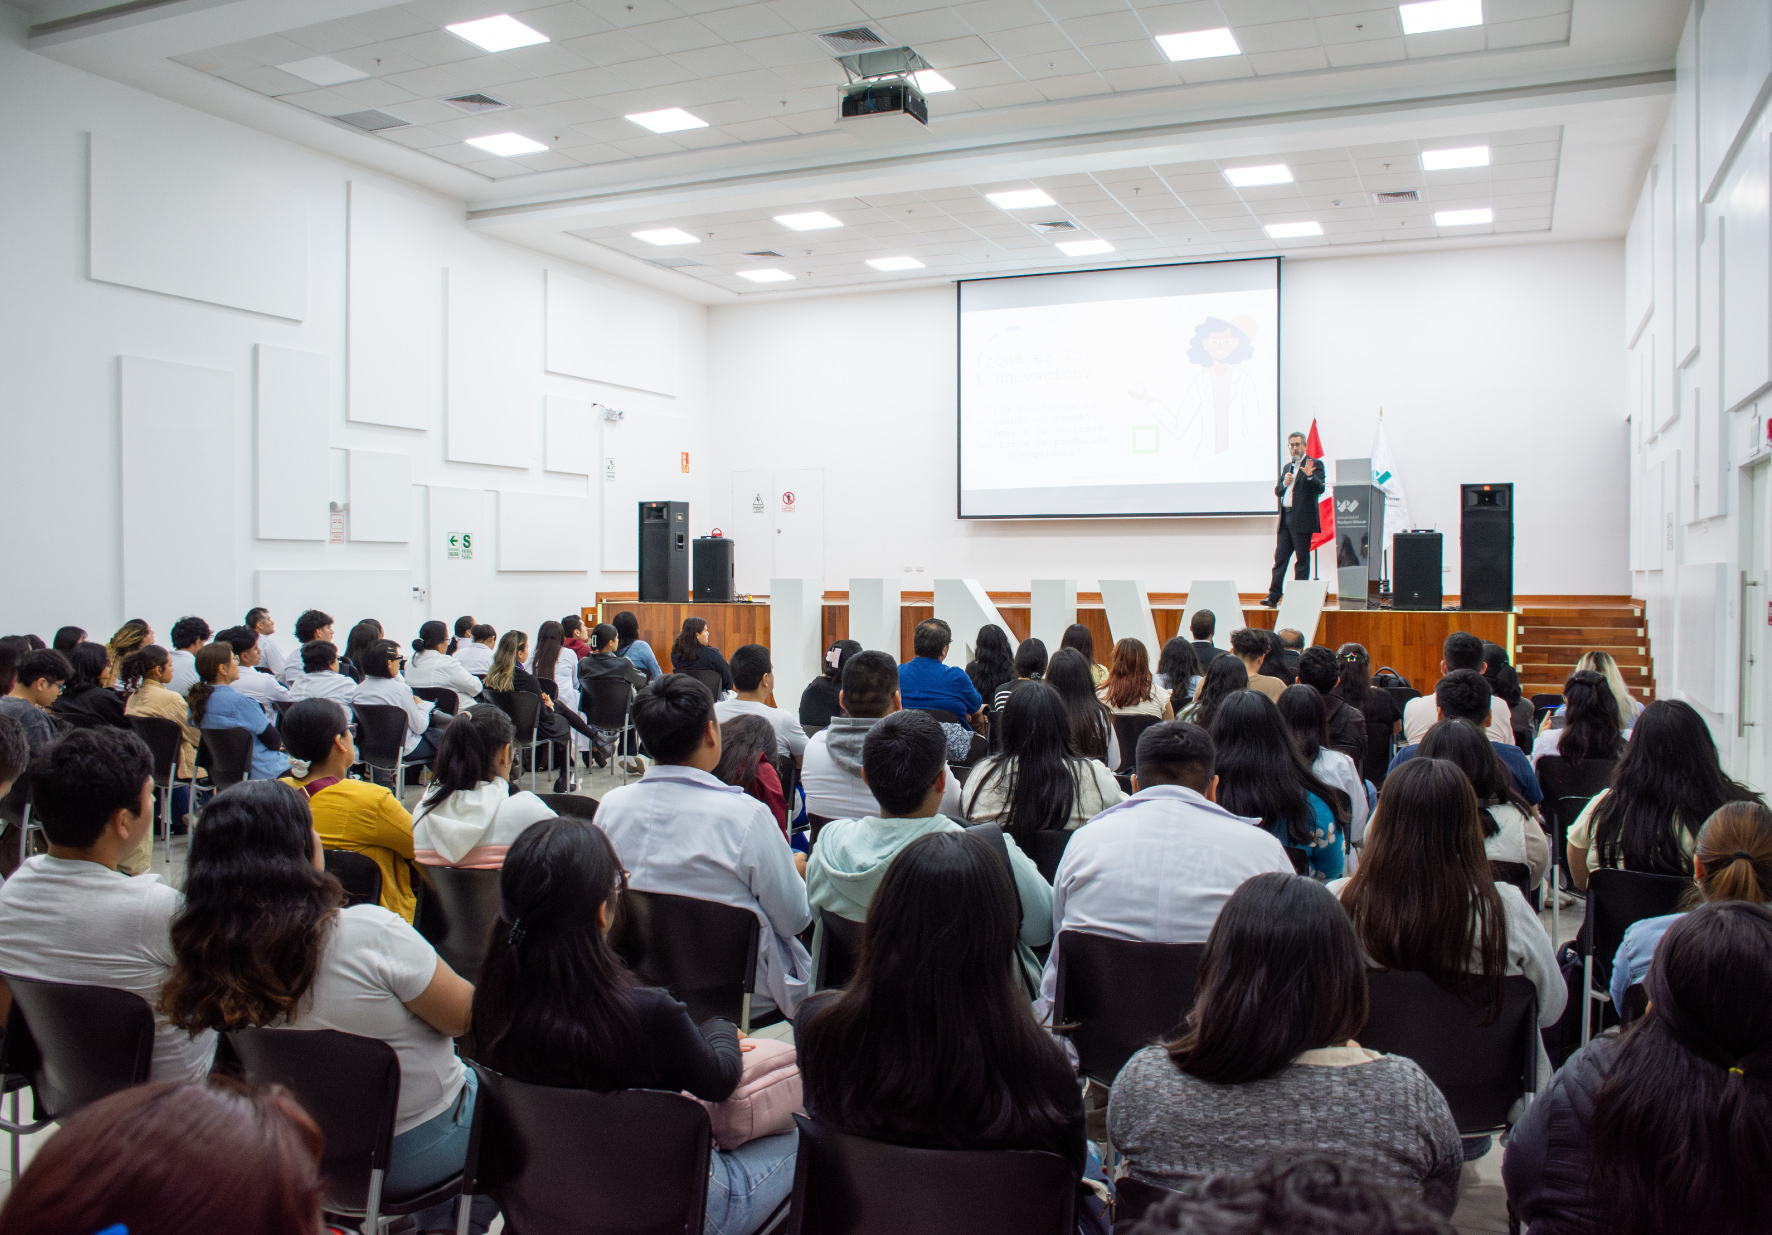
{"points": [[88, 700], [144, 675], [215, 704], [1462, 650], [1077, 638], [132, 635], [312, 626], [1590, 727], [1159, 866], [476, 655], [747, 751], [572, 633], [819, 703], [1262, 776], [36, 685], [1295, 1192], [1662, 1128], [1255, 648], [1178, 673], [832, 773], [603, 662], [1029, 666], [1511, 831], [188, 635], [630, 646], [262, 942], [1202, 626], [1291, 648], [1602, 663], [1347, 727], [168, 1158], [680, 830], [1667, 783], [1092, 725], [260, 622], [1301, 707], [364, 633], [694, 649], [1267, 1059], [753, 678], [1384, 719], [1504, 683], [556, 1006], [260, 687], [508, 674], [1039, 782], [469, 817], [319, 677], [1222, 679], [926, 684], [1463, 694], [1130, 690], [70, 915], [67, 638], [904, 762], [382, 686], [432, 668], [357, 815], [992, 666]]}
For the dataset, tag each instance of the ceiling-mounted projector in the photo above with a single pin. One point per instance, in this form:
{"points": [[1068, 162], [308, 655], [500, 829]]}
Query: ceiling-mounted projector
{"points": [[882, 91]]}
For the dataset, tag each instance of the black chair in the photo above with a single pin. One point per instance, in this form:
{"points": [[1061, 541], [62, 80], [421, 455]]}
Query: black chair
{"points": [[1481, 1066], [1402, 695], [74, 1044], [1636, 1002], [608, 704], [851, 1185], [1615, 899], [165, 740], [815, 824], [358, 873], [1568, 788], [350, 1086], [381, 740], [1047, 848], [709, 678], [839, 949], [227, 755], [563, 1161], [460, 907], [1516, 873], [1120, 995], [447, 701], [703, 952], [574, 805], [1542, 706], [1133, 1198], [524, 709], [1128, 730]]}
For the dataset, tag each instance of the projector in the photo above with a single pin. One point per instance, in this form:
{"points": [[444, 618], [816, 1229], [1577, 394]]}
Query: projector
{"points": [[890, 96], [882, 90]]}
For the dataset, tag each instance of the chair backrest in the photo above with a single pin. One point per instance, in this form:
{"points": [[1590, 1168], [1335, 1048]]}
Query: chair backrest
{"points": [[1402, 694], [1128, 729], [564, 1160], [77, 1044], [709, 678], [856, 1186], [447, 701], [1121, 995], [1482, 1069], [840, 949], [347, 1084], [358, 873], [1516, 873], [606, 700], [1636, 1002], [164, 740], [816, 824], [460, 907], [1615, 899], [575, 805], [523, 708], [228, 756], [381, 733], [1133, 1198], [1046, 848], [703, 952]]}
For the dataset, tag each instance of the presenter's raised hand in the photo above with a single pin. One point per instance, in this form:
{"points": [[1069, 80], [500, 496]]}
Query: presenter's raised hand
{"points": [[1309, 466]]}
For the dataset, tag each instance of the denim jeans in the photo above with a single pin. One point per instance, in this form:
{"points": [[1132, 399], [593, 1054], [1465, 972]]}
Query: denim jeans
{"points": [[432, 1152], [745, 1185]]}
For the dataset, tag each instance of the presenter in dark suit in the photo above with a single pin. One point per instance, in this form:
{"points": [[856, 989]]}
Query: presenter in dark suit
{"points": [[1300, 486]]}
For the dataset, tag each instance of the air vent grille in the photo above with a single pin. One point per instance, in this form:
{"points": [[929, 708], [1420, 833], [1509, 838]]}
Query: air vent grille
{"points": [[844, 42], [372, 121], [674, 263], [1056, 225], [1392, 199], [474, 104], [762, 255]]}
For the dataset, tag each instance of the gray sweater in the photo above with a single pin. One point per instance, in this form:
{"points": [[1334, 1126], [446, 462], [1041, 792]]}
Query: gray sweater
{"points": [[1384, 1115]]}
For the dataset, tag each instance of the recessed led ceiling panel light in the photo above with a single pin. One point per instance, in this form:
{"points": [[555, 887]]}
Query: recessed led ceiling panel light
{"points": [[667, 235], [1292, 231], [811, 221], [1431, 15], [1251, 177], [1019, 199], [1199, 44], [499, 33], [931, 82], [323, 71], [1463, 218], [1446, 160], [506, 144], [765, 276], [895, 263], [670, 120], [1084, 248]]}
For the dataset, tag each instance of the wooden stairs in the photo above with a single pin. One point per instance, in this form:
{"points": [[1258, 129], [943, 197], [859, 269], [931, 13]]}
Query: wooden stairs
{"points": [[1548, 640]]}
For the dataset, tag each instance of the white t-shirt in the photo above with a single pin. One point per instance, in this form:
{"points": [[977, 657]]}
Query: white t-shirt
{"points": [[373, 963], [790, 737], [67, 920], [184, 671], [1420, 714], [836, 794]]}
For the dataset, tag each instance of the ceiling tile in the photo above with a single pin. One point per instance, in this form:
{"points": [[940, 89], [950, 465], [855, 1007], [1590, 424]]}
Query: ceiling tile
{"points": [[327, 37], [1219, 68], [1497, 11], [1029, 40], [533, 92], [373, 92], [1277, 36], [1360, 27], [1102, 28], [1253, 12], [1378, 51], [610, 48], [1445, 42], [564, 21], [1301, 60], [270, 81], [1529, 32], [782, 49], [952, 53], [1147, 77], [655, 71], [929, 26], [986, 16], [818, 14], [436, 47], [1065, 63], [678, 34], [1138, 53], [745, 21]]}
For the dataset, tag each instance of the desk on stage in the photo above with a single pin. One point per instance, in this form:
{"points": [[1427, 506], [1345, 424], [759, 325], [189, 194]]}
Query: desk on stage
{"points": [[731, 625]]}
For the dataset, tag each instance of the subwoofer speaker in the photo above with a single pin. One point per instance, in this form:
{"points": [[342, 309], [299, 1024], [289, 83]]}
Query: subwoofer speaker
{"points": [[713, 569], [1415, 570], [1486, 547], [664, 552]]}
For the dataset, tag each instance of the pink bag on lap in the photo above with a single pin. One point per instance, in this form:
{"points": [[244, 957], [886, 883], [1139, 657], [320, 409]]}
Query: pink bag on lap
{"points": [[767, 1097]]}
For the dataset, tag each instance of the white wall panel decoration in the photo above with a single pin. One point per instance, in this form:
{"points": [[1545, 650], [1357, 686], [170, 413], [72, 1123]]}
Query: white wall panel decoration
{"points": [[461, 547], [1686, 207], [1703, 589], [546, 531], [493, 399], [750, 525], [186, 228], [349, 595], [1639, 266], [606, 335], [1747, 273], [1734, 60], [177, 450], [642, 462], [293, 396], [569, 436], [381, 496], [394, 287]]}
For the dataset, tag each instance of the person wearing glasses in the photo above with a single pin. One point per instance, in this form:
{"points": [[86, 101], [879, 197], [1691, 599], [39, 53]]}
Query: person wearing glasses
{"points": [[40, 679], [383, 686]]}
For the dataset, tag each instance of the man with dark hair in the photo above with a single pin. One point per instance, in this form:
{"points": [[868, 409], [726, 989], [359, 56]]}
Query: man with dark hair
{"points": [[602, 662], [1201, 626], [476, 655], [832, 772], [753, 681], [904, 761], [272, 655], [1251, 647], [1462, 650], [926, 684], [1318, 670], [681, 830], [319, 677], [1300, 1192], [70, 915], [312, 626], [255, 682], [188, 634], [36, 685], [1160, 865], [1464, 695], [463, 625]]}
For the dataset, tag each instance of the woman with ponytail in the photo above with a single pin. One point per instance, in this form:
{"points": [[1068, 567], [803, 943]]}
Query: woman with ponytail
{"points": [[144, 675], [433, 666], [470, 817], [215, 704]]}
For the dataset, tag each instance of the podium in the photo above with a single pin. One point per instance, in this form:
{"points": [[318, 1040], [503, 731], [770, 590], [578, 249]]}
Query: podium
{"points": [[1359, 534]]}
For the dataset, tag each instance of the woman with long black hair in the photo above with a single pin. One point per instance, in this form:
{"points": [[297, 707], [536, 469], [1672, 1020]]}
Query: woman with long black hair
{"points": [[364, 633], [1384, 718], [508, 675], [1029, 666], [819, 703], [1504, 684], [694, 649], [1511, 832], [1039, 782], [1590, 727], [469, 817], [1262, 776], [992, 663], [1667, 783], [1178, 672], [1078, 639], [629, 645], [1224, 677], [556, 1006], [1091, 725], [87, 698], [1307, 719], [746, 743]]}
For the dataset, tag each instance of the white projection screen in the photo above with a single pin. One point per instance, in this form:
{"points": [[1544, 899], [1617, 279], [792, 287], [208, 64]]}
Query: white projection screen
{"points": [[1147, 391]]}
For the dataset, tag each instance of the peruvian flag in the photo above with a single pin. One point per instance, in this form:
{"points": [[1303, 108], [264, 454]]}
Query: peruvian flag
{"points": [[1313, 446]]}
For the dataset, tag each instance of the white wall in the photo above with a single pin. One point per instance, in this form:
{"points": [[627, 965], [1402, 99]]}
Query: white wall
{"points": [[1492, 365], [62, 334]]}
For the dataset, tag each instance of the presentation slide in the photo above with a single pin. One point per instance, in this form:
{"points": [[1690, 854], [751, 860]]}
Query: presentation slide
{"points": [[1116, 393]]}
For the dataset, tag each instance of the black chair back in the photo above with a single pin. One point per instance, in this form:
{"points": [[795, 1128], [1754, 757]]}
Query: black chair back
{"points": [[563, 1161], [1128, 729], [573, 805], [709, 678], [1121, 995], [1542, 706], [606, 700], [1636, 1002], [851, 1185], [703, 952], [1046, 848], [460, 907], [816, 824], [447, 701], [1568, 788], [1516, 873], [1133, 1198], [1402, 694], [1481, 1068], [228, 756], [381, 734], [76, 1044], [839, 949], [165, 740], [522, 707], [358, 873], [1615, 899]]}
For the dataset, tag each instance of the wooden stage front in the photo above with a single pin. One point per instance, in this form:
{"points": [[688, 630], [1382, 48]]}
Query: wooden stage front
{"points": [[1405, 640]]}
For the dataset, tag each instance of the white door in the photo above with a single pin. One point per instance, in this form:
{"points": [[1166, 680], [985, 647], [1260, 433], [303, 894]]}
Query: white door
{"points": [[799, 524], [1755, 726], [752, 530]]}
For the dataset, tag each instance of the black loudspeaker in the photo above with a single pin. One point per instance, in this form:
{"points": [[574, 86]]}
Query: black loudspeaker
{"points": [[1486, 547], [664, 552], [713, 568], [1415, 570]]}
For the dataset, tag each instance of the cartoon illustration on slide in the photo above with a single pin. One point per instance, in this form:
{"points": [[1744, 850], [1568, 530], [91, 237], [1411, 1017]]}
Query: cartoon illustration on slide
{"points": [[1214, 412]]}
